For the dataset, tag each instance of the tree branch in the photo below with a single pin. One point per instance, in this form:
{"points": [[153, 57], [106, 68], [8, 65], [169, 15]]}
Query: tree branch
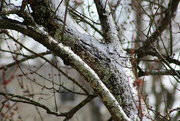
{"points": [[170, 59], [157, 72], [79, 106], [108, 25], [160, 56], [41, 56], [99, 63], [23, 99], [83, 18], [23, 59], [71, 58], [169, 13]]}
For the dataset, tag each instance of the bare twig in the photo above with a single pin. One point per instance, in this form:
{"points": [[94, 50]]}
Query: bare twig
{"points": [[77, 107], [24, 59], [22, 99], [162, 26], [160, 56], [64, 22], [82, 19], [170, 59]]}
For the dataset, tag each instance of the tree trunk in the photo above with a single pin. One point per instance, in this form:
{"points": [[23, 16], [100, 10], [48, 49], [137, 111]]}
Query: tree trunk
{"points": [[104, 65]]}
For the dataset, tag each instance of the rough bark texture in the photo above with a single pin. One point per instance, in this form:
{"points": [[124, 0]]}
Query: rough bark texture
{"points": [[109, 62]]}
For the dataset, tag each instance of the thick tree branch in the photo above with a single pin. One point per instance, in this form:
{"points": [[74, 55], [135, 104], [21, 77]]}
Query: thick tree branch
{"points": [[108, 25], [96, 55], [110, 63], [71, 58], [41, 55]]}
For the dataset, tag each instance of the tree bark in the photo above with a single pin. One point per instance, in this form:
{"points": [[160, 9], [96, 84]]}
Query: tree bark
{"points": [[105, 66]]}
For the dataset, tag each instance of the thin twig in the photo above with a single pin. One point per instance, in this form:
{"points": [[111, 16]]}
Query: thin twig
{"points": [[79, 106], [23, 99], [65, 16]]}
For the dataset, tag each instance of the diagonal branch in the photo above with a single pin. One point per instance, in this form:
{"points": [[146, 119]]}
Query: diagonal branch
{"points": [[85, 19], [72, 59], [169, 13], [79, 106], [108, 25], [98, 63], [41, 55], [167, 63]]}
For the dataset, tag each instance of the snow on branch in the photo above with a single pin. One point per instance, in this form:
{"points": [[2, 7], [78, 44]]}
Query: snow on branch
{"points": [[108, 25], [71, 58]]}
